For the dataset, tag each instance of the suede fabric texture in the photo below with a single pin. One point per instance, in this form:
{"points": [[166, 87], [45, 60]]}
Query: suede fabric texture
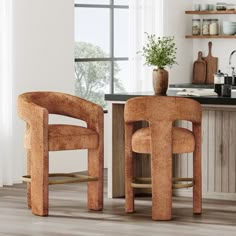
{"points": [[182, 141], [162, 140], [68, 137], [42, 137]]}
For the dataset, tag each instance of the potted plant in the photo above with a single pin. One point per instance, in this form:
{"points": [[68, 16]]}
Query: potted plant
{"points": [[159, 52]]}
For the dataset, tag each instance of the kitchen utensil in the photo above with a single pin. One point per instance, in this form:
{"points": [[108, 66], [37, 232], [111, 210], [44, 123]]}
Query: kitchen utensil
{"points": [[218, 82], [199, 70], [211, 65]]}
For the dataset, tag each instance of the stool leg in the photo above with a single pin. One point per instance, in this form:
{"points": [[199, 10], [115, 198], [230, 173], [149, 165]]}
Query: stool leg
{"points": [[129, 162], [161, 171], [29, 173], [39, 176], [197, 174], [95, 188], [129, 191]]}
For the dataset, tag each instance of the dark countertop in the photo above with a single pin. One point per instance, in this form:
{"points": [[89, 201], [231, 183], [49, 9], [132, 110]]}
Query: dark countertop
{"points": [[203, 99], [189, 85]]}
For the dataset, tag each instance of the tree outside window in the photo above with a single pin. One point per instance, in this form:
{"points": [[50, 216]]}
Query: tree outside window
{"points": [[101, 48]]}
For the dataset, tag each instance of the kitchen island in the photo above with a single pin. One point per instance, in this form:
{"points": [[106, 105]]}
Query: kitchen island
{"points": [[218, 147]]}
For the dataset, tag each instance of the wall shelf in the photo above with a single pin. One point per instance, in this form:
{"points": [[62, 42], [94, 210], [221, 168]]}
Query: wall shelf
{"points": [[210, 12], [210, 36]]}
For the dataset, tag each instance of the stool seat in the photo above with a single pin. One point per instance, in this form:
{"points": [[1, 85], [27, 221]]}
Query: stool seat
{"points": [[67, 137], [183, 140], [71, 137]]}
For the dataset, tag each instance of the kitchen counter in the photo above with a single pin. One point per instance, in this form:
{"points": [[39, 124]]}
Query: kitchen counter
{"points": [[172, 92], [218, 147], [189, 85]]}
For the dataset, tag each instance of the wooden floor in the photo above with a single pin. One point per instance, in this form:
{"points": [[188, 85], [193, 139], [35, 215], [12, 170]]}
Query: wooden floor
{"points": [[69, 216]]}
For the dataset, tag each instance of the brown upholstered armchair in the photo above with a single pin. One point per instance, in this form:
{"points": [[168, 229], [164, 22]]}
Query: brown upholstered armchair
{"points": [[161, 139], [42, 137]]}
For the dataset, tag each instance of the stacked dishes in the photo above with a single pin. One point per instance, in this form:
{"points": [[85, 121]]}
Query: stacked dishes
{"points": [[229, 27]]}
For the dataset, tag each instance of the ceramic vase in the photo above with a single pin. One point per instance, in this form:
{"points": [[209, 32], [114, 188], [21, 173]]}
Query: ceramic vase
{"points": [[160, 81]]}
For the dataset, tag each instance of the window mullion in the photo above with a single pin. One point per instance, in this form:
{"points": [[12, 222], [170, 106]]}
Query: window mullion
{"points": [[112, 45]]}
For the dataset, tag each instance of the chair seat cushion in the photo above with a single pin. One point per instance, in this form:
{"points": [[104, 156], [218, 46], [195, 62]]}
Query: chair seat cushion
{"points": [[70, 137], [67, 137], [183, 140]]}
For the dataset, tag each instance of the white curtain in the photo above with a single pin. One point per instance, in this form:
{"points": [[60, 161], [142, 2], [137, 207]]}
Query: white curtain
{"points": [[9, 173], [144, 16]]}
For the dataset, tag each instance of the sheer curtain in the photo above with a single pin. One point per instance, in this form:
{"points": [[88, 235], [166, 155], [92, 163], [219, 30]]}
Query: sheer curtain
{"points": [[8, 166], [144, 16]]}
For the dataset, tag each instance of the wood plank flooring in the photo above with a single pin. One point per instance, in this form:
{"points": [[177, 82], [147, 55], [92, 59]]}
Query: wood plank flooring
{"points": [[69, 216]]}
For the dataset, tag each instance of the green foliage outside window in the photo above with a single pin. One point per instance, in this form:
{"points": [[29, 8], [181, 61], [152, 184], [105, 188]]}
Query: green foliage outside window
{"points": [[92, 79]]}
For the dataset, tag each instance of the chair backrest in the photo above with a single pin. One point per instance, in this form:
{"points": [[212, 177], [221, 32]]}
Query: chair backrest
{"points": [[158, 108], [61, 104]]}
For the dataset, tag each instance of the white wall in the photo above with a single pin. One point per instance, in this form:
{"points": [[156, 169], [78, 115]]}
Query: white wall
{"points": [[175, 23], [221, 48], [44, 60], [43, 45]]}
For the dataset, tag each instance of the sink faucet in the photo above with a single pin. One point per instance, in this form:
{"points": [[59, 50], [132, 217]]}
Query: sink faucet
{"points": [[233, 72], [230, 57]]}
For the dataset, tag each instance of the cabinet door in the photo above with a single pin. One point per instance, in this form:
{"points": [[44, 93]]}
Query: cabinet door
{"points": [[218, 155], [219, 152]]}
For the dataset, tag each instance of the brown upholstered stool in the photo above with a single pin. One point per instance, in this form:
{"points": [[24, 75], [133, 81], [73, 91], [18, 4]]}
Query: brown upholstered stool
{"points": [[161, 140], [41, 137]]}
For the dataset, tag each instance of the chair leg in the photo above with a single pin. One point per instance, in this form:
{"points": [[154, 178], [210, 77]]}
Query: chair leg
{"points": [[95, 188], [28, 173], [129, 191], [39, 181], [197, 174], [161, 172]]}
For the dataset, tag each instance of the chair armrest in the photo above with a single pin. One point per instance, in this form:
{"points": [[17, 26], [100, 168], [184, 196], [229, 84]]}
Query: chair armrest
{"points": [[31, 112]]}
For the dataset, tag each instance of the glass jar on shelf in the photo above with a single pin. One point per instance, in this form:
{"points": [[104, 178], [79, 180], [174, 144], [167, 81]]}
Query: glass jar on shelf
{"points": [[205, 26], [214, 27], [196, 27]]}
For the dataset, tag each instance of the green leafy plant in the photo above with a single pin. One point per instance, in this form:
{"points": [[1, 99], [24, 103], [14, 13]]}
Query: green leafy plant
{"points": [[159, 51]]}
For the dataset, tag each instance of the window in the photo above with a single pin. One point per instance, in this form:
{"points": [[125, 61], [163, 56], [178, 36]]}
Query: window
{"points": [[101, 48]]}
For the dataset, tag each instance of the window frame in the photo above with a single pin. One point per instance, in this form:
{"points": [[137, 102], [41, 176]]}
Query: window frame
{"points": [[112, 57]]}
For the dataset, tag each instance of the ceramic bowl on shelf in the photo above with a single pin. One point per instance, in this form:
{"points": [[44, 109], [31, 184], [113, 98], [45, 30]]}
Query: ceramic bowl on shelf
{"points": [[229, 27], [231, 7]]}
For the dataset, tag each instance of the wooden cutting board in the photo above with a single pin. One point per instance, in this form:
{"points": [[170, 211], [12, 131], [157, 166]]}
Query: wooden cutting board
{"points": [[199, 70], [212, 65]]}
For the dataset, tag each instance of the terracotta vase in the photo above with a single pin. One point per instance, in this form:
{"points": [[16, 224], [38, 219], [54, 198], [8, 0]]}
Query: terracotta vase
{"points": [[160, 81]]}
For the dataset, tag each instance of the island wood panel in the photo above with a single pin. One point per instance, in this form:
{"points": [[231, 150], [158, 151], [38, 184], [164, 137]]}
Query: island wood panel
{"points": [[118, 151], [211, 137], [205, 151], [225, 153], [232, 152], [218, 149], [218, 154]]}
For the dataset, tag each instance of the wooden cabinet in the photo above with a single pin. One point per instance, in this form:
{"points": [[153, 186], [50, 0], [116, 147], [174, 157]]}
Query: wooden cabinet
{"points": [[218, 154], [228, 12]]}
